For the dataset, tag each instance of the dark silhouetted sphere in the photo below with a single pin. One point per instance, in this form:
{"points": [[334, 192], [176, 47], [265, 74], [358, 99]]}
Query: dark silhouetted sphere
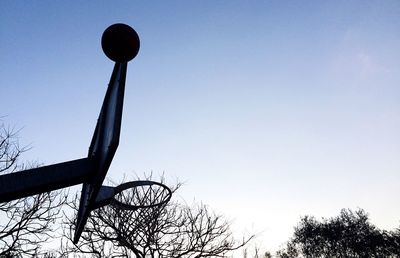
{"points": [[120, 42]]}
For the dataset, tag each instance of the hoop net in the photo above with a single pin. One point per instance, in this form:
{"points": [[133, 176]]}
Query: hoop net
{"points": [[141, 194]]}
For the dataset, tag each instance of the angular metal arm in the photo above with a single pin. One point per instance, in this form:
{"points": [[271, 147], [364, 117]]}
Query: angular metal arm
{"points": [[44, 179]]}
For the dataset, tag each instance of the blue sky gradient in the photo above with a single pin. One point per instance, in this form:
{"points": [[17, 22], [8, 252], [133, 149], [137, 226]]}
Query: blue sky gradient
{"points": [[268, 110]]}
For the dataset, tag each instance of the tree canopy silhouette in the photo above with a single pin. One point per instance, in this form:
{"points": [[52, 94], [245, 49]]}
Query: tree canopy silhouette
{"points": [[348, 235]]}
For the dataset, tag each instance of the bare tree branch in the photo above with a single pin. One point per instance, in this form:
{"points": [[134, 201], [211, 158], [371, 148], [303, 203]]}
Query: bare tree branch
{"points": [[10, 150], [26, 223], [170, 230]]}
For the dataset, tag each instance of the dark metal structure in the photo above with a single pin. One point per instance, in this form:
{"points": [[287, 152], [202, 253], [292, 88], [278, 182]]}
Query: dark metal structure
{"points": [[121, 44]]}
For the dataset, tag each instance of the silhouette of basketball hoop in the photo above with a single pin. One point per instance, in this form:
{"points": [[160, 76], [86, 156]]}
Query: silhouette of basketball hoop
{"points": [[121, 44], [134, 195], [145, 194]]}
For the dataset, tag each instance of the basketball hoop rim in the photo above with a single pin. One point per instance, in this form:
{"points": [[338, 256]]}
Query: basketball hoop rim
{"points": [[132, 184]]}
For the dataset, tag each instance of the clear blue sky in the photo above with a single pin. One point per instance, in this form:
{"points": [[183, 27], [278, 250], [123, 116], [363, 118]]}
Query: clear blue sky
{"points": [[268, 110]]}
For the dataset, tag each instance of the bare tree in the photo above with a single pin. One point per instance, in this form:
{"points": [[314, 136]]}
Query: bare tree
{"points": [[170, 230], [255, 252], [25, 224], [10, 149]]}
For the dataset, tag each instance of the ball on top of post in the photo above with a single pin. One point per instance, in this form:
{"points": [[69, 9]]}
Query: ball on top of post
{"points": [[120, 42]]}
